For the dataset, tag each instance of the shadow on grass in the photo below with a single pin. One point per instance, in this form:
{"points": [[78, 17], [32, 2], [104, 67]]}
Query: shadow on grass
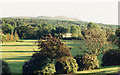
{"points": [[16, 67], [19, 58]]}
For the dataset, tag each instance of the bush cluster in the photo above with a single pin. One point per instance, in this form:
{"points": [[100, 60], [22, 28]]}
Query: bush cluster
{"points": [[111, 57], [5, 68], [43, 65], [66, 65], [38, 65], [86, 62]]}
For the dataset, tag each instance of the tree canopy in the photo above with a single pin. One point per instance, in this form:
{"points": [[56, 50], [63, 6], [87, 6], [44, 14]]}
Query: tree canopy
{"points": [[93, 26]]}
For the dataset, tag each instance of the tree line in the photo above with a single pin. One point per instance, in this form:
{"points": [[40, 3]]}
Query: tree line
{"points": [[30, 28]]}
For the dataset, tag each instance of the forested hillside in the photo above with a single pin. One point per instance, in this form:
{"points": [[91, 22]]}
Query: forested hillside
{"points": [[36, 27]]}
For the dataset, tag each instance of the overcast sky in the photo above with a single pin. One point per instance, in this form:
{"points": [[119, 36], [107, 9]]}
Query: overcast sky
{"points": [[101, 11]]}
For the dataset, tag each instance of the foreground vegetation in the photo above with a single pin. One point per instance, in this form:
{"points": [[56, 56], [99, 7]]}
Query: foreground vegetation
{"points": [[16, 53]]}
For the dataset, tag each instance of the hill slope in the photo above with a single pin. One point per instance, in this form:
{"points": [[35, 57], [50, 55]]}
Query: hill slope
{"points": [[57, 18]]}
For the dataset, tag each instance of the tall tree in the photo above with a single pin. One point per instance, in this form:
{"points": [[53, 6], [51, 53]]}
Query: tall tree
{"points": [[61, 29], [94, 45], [74, 30], [93, 26], [7, 28], [117, 32]]}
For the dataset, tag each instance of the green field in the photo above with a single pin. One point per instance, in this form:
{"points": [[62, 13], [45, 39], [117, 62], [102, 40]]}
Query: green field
{"points": [[16, 53]]}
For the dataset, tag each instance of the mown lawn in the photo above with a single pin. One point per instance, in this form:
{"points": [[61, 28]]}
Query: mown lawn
{"points": [[16, 53]]}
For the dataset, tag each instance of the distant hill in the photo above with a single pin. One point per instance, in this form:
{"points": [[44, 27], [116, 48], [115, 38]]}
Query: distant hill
{"points": [[57, 18]]}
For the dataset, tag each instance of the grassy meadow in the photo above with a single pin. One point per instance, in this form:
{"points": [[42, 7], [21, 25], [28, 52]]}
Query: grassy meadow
{"points": [[16, 53]]}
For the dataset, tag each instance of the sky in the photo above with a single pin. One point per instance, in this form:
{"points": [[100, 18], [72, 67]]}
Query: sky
{"points": [[98, 11]]}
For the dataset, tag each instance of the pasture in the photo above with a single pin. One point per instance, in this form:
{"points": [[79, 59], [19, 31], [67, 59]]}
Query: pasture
{"points": [[16, 53]]}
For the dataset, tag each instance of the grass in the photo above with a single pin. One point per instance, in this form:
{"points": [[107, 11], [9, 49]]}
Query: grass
{"points": [[104, 70], [16, 53], [75, 45]]}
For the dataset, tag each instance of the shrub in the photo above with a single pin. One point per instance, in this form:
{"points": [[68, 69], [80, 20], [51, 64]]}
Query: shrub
{"points": [[38, 65], [111, 57], [7, 28], [8, 36], [5, 68], [86, 62], [3, 38], [50, 68], [66, 65], [117, 32]]}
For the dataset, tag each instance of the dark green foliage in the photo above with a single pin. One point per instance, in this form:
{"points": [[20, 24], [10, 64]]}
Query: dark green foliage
{"points": [[74, 30], [58, 30], [38, 65], [117, 32], [35, 25], [66, 65], [111, 34], [61, 30], [7, 28], [111, 57], [86, 62], [42, 33], [22, 31], [13, 23], [73, 38], [26, 32], [80, 60], [5, 68], [47, 26], [93, 26], [49, 69], [119, 42]]}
